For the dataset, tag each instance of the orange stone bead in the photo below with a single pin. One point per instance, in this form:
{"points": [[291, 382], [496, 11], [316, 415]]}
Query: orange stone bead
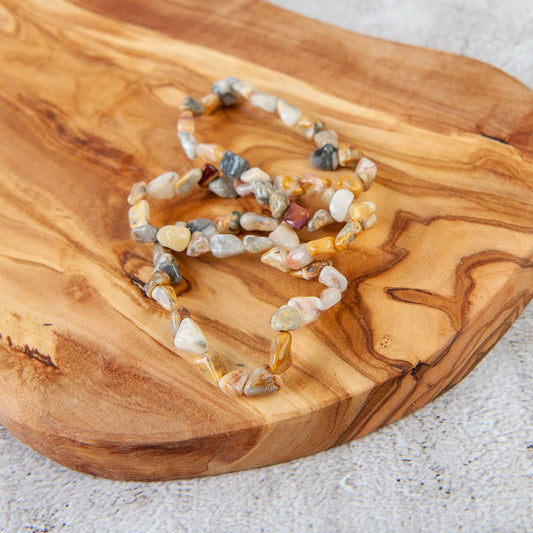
{"points": [[322, 248], [280, 352], [186, 122], [350, 182], [211, 102], [348, 155], [289, 184]]}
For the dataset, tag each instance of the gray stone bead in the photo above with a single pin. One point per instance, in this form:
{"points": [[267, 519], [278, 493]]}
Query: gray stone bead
{"points": [[233, 165], [226, 245], [167, 263], [144, 233], [263, 190], [224, 91], [325, 158], [188, 143], [279, 203], [206, 226], [198, 245], [223, 187], [255, 245], [190, 104]]}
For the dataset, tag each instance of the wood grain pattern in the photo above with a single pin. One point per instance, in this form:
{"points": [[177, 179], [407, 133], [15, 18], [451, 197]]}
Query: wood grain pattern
{"points": [[88, 97]]}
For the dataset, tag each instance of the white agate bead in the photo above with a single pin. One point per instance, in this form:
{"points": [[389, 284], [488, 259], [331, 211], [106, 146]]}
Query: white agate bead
{"points": [[329, 297], [331, 277], [339, 204], [307, 306], [190, 337], [163, 187]]}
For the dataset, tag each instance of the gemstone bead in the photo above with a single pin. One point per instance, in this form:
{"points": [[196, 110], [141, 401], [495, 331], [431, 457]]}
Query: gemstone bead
{"points": [[364, 213], [192, 105], [327, 195], [340, 202], [366, 170], [314, 184], [228, 223], [307, 306], [244, 88], [254, 222], [350, 182], [279, 203], [276, 257], [296, 216], [255, 245], [255, 172], [226, 245], [190, 337], [311, 271], [167, 263], [325, 158], [198, 245], [174, 237], [347, 234], [322, 248], [223, 187], [144, 233], [223, 90], [326, 137], [262, 381], [320, 219], [139, 214], [188, 181], [162, 187], [188, 143], [329, 297], [289, 184], [138, 192], [206, 226], [266, 102], [263, 190], [176, 316], [233, 165], [280, 352], [307, 127], [299, 257], [288, 114], [158, 278], [242, 189], [157, 252], [209, 173], [186, 122], [331, 277], [285, 237], [233, 382], [211, 102], [348, 155], [165, 296], [210, 152], [211, 367], [286, 318]]}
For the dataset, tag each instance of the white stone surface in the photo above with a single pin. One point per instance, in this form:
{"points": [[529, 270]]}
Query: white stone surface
{"points": [[462, 463]]}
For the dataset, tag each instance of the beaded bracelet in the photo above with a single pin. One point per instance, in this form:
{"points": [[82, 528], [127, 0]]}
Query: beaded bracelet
{"points": [[281, 249]]}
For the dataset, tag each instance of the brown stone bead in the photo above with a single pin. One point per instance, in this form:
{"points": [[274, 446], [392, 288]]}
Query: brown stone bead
{"points": [[280, 352], [322, 248], [296, 216], [211, 102], [209, 173]]}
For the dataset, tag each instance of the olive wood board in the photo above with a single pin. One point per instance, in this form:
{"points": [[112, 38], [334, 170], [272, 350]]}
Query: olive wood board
{"points": [[89, 96]]}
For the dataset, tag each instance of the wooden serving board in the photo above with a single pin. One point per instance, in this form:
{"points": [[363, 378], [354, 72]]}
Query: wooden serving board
{"points": [[89, 91]]}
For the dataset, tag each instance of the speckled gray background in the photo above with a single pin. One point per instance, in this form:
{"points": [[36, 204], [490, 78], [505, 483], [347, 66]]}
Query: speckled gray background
{"points": [[462, 463]]}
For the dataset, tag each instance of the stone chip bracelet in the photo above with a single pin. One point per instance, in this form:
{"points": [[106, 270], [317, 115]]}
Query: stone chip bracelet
{"points": [[233, 177]]}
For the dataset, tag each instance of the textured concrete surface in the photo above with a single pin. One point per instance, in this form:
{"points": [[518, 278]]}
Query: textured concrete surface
{"points": [[462, 463]]}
